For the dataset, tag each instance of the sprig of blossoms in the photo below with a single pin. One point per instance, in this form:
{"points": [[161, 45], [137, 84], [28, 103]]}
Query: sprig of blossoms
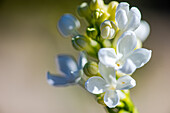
{"points": [[110, 52]]}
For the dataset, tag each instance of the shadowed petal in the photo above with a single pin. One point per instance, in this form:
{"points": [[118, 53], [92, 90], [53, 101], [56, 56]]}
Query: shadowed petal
{"points": [[95, 85], [56, 80], [67, 64], [128, 67], [111, 99], [82, 60], [143, 31], [121, 19], [126, 43], [125, 82], [140, 57]]}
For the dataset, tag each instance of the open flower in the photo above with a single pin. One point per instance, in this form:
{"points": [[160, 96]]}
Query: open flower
{"points": [[70, 68], [68, 25], [109, 85], [127, 19], [125, 59]]}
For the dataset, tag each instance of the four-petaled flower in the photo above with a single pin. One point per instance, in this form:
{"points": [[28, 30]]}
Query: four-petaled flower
{"points": [[73, 71], [125, 59], [109, 85]]}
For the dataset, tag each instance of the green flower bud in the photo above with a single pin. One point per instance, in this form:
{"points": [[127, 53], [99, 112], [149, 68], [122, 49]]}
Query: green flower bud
{"points": [[80, 42], [84, 11], [96, 4], [91, 69], [108, 29], [83, 43], [91, 32]]}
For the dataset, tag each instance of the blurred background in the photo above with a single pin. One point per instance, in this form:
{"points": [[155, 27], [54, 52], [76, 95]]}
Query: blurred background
{"points": [[29, 42]]}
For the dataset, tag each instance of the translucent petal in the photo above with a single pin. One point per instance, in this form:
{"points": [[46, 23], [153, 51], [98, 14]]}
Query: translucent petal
{"points": [[68, 24], [96, 85], [128, 67], [67, 64], [142, 32], [126, 43], [82, 60], [140, 57], [56, 80], [107, 56], [121, 19], [108, 73], [111, 98], [125, 82]]}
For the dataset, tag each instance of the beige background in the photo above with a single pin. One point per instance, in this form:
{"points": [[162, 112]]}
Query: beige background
{"points": [[29, 42]]}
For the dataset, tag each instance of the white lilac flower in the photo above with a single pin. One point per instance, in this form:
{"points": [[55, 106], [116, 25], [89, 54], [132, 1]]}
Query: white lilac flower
{"points": [[108, 29], [142, 31], [71, 70], [109, 85], [125, 59], [68, 25], [127, 19]]}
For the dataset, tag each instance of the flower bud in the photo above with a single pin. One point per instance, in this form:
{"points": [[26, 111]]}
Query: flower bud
{"points": [[96, 4], [99, 16], [68, 25], [83, 43], [92, 32], [112, 10], [91, 69], [80, 42], [108, 29], [84, 10], [106, 43]]}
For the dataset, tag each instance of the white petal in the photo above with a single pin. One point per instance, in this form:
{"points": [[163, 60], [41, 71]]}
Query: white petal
{"points": [[68, 24], [121, 19], [67, 64], [56, 80], [142, 32], [125, 82], [96, 85], [111, 99], [108, 73], [82, 60], [126, 43], [124, 6], [107, 56], [134, 18], [140, 57], [128, 67]]}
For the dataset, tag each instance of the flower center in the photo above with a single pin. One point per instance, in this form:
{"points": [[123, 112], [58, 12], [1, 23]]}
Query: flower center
{"points": [[119, 63], [112, 87]]}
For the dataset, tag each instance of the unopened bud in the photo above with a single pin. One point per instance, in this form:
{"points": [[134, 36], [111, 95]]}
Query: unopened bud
{"points": [[68, 25], [83, 43], [91, 69], [92, 32], [108, 29], [99, 16], [80, 42], [96, 4], [84, 10]]}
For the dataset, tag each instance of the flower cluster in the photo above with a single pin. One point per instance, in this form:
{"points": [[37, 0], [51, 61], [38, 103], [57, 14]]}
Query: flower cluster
{"points": [[110, 52]]}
